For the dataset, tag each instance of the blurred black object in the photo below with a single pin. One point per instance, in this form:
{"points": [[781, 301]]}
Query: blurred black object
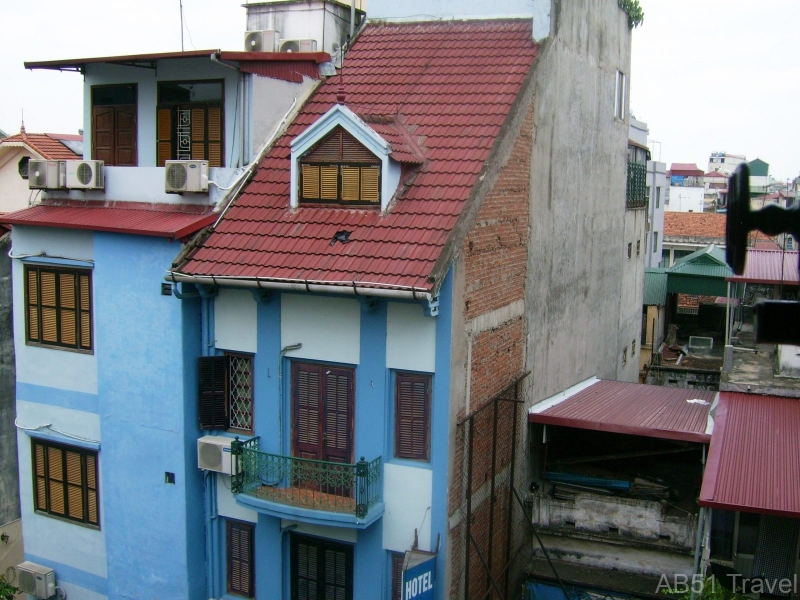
{"points": [[777, 322]]}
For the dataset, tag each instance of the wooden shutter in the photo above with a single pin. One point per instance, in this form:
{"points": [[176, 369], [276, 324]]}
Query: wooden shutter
{"points": [[310, 183], [164, 134], [84, 285], [103, 134], [39, 473], [240, 559], [125, 136], [338, 414], [412, 417], [74, 484], [32, 303], [397, 575], [321, 570], [306, 390], [370, 184], [329, 182], [67, 306], [213, 386], [93, 513], [214, 137], [198, 128], [47, 291], [55, 479], [350, 184]]}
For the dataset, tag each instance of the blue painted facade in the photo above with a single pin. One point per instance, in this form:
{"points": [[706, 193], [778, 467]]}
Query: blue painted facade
{"points": [[373, 437], [141, 420]]}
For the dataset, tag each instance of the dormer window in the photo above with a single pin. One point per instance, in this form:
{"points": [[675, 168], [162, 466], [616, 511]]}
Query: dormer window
{"points": [[339, 169]]}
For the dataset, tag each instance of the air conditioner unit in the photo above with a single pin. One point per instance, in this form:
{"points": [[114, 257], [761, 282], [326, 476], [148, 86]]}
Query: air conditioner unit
{"points": [[36, 580], [214, 454], [186, 176], [261, 41], [85, 174], [47, 174], [298, 45]]}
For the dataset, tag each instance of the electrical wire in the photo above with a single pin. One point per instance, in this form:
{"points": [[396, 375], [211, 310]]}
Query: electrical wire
{"points": [[54, 430]]}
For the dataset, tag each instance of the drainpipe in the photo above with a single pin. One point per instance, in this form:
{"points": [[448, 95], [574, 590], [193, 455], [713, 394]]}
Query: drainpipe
{"points": [[212, 569], [284, 350]]}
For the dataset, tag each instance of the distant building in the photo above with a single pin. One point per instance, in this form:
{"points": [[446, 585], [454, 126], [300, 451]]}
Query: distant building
{"points": [[686, 193], [724, 162]]}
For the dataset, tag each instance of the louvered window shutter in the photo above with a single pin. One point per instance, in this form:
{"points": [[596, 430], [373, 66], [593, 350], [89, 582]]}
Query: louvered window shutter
{"points": [[412, 417], [213, 387], [164, 134], [397, 575], [240, 559]]}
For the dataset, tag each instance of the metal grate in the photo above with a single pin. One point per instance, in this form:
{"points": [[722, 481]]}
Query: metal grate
{"points": [[241, 392]]}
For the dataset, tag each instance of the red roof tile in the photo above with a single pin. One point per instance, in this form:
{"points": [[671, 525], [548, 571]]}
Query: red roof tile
{"points": [[708, 227], [47, 145], [451, 85], [156, 220], [634, 409], [754, 456]]}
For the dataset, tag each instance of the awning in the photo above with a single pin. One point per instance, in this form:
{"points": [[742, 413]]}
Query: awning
{"points": [[754, 458], [631, 408], [159, 221]]}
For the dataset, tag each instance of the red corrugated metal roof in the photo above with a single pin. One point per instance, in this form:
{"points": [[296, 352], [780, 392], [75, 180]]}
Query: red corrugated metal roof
{"points": [[634, 409], [155, 220], [47, 145], [754, 456], [769, 267], [452, 85]]}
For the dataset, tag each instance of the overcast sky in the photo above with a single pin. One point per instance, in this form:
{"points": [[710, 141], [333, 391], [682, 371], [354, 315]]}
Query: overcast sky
{"points": [[706, 76]]}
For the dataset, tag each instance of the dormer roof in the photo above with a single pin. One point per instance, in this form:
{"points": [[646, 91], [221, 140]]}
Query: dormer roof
{"points": [[49, 146], [438, 94]]}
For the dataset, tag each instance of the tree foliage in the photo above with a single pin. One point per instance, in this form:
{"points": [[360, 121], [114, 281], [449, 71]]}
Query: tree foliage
{"points": [[634, 11]]}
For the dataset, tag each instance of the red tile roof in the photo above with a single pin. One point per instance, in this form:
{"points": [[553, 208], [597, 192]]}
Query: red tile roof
{"points": [[754, 456], [47, 145], [686, 169], [770, 267], [164, 220], [451, 84], [708, 227], [634, 409]]}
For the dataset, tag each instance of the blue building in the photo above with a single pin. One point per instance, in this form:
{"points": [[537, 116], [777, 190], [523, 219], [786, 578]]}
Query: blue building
{"points": [[288, 337]]}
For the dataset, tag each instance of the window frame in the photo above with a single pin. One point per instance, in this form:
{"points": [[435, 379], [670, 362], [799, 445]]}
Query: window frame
{"points": [[415, 454], [215, 388], [117, 108], [86, 490], [174, 107], [247, 529], [322, 546], [619, 96], [366, 160], [80, 312]]}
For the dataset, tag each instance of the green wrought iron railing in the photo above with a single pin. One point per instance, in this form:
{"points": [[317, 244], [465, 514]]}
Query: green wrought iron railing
{"points": [[636, 195], [306, 483]]}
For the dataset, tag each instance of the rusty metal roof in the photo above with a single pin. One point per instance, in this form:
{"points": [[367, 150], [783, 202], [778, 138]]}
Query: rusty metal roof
{"points": [[123, 217], [754, 456], [770, 267], [634, 409], [451, 84]]}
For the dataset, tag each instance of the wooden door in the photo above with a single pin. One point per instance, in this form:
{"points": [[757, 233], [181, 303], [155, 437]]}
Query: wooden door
{"points": [[322, 412]]}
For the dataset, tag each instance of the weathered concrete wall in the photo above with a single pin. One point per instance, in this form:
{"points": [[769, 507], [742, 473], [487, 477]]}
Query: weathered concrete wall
{"points": [[578, 236], [9, 474], [631, 295], [683, 378]]}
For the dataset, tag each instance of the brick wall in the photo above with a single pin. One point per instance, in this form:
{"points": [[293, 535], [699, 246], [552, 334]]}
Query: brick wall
{"points": [[495, 249]]}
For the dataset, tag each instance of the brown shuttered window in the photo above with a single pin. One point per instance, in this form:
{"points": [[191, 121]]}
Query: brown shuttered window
{"points": [[412, 431], [321, 570], [65, 482], [190, 122], [340, 169], [397, 575], [241, 578], [226, 392], [58, 307]]}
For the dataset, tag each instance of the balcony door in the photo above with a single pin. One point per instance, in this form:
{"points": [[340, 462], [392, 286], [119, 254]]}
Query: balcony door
{"points": [[323, 398]]}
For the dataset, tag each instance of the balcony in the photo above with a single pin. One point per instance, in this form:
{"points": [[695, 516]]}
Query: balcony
{"points": [[636, 193], [306, 490]]}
